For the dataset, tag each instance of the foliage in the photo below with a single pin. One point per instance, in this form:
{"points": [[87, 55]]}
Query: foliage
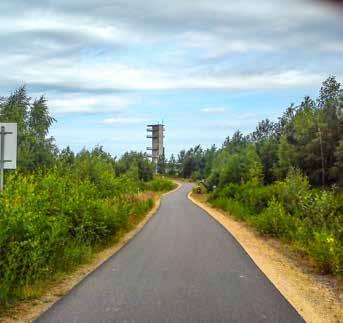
{"points": [[35, 148], [161, 166], [326, 251], [58, 206], [137, 164], [307, 136], [311, 219], [234, 207], [286, 177], [275, 221], [50, 221], [160, 184], [172, 169]]}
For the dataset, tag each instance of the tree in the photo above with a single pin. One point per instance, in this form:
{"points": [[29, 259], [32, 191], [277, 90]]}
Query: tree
{"points": [[241, 167], [209, 156], [161, 165], [66, 157], [330, 92], [39, 119], [192, 163], [135, 160], [172, 169], [35, 149], [266, 139], [236, 143]]}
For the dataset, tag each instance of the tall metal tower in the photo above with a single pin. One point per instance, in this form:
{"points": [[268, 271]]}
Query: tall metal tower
{"points": [[156, 134]]}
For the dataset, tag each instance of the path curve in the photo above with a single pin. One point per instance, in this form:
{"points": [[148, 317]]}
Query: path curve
{"points": [[182, 267]]}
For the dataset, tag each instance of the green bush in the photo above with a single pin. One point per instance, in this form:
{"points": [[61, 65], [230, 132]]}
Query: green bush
{"points": [[256, 197], [292, 191], [50, 222], [234, 207], [327, 252], [160, 184], [275, 221], [311, 219]]}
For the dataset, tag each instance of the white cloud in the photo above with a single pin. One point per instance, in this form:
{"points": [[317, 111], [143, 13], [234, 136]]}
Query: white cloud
{"points": [[84, 28], [124, 120], [215, 45], [56, 54], [213, 110], [109, 75], [333, 47], [85, 103]]}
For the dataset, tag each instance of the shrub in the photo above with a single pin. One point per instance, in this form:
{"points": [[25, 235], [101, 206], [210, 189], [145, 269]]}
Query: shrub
{"points": [[275, 221], [291, 192], [255, 197], [50, 222], [311, 219], [323, 209], [160, 184], [234, 207], [327, 252]]}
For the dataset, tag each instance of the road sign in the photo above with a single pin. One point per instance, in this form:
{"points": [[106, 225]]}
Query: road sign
{"points": [[8, 131], [8, 149]]}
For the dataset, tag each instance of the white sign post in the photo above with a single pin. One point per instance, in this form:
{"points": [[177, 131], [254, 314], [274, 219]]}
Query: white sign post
{"points": [[8, 149]]}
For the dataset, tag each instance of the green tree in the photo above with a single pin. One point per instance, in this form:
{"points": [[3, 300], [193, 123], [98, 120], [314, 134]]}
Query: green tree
{"points": [[136, 160], [162, 165], [35, 148], [236, 143], [172, 166], [266, 139]]}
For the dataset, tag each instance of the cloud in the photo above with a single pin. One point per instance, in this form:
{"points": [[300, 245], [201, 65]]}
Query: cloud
{"points": [[332, 47], [213, 110], [124, 120], [211, 45], [114, 47], [92, 75], [81, 103], [217, 45]]}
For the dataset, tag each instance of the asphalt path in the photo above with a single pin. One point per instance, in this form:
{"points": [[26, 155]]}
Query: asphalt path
{"points": [[182, 267]]}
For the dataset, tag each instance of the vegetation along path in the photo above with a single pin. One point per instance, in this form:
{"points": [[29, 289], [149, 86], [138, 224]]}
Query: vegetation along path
{"points": [[182, 267]]}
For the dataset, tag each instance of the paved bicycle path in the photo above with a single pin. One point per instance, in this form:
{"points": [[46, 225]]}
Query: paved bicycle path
{"points": [[182, 267]]}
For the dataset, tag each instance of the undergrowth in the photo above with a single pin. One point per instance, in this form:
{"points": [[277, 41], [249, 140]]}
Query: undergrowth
{"points": [[50, 222], [309, 219]]}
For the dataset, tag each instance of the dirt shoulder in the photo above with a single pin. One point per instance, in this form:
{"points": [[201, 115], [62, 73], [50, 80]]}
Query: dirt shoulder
{"points": [[317, 298], [29, 310]]}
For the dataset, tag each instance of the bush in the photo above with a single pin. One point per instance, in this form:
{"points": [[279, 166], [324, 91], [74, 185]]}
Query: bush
{"points": [[292, 191], [234, 207], [160, 184], [275, 221], [327, 252], [311, 219], [323, 209], [255, 197], [50, 222]]}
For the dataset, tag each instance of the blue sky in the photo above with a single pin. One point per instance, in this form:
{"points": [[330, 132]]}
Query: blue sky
{"points": [[206, 68]]}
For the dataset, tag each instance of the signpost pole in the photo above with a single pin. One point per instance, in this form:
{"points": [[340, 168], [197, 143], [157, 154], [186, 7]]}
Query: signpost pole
{"points": [[8, 154], [2, 157]]}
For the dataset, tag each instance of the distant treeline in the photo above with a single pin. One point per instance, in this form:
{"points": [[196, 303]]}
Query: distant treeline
{"points": [[308, 136], [37, 150]]}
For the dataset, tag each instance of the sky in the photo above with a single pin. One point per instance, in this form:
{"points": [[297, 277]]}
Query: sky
{"points": [[204, 68]]}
